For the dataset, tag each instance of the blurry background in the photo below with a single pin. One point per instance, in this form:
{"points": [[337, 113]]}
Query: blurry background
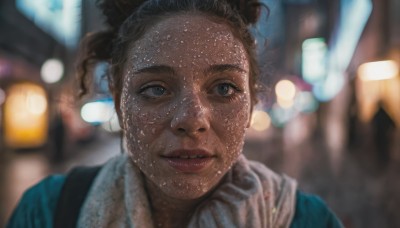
{"points": [[329, 114]]}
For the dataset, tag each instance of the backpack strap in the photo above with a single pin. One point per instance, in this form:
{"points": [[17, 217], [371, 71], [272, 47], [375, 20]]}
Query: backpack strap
{"points": [[73, 194]]}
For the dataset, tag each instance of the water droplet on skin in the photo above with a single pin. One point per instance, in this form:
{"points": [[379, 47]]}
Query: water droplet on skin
{"points": [[168, 37], [153, 130], [185, 30], [219, 172], [181, 41]]}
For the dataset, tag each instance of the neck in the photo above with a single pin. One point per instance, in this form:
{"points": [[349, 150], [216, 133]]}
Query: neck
{"points": [[168, 211]]}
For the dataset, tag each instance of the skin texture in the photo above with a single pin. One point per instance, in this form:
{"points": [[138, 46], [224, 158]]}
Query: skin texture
{"points": [[186, 86]]}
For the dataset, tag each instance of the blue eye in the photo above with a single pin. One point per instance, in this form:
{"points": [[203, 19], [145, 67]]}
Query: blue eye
{"points": [[153, 91], [224, 89], [157, 91]]}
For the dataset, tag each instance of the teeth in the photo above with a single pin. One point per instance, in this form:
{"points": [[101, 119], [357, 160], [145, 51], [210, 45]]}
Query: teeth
{"points": [[193, 156], [184, 156]]}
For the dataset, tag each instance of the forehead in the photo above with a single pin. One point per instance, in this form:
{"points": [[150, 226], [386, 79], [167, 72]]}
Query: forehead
{"points": [[184, 40]]}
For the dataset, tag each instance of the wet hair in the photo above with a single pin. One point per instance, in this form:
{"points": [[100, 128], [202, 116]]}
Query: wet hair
{"points": [[128, 20]]}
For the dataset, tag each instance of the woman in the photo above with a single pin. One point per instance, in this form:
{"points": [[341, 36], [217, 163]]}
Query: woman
{"points": [[183, 77]]}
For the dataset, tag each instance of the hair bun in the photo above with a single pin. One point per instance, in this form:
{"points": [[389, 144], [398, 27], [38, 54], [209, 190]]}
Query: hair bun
{"points": [[116, 11], [249, 10]]}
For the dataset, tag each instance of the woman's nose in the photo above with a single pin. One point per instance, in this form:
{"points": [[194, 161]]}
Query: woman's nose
{"points": [[191, 117]]}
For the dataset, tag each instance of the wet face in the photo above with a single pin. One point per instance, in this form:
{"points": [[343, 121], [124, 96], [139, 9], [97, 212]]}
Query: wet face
{"points": [[185, 104]]}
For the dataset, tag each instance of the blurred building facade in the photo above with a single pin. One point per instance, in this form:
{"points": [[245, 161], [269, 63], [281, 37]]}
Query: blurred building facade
{"points": [[38, 48]]}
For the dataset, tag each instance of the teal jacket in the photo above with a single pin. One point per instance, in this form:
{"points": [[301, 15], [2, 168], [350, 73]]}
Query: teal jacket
{"points": [[38, 204]]}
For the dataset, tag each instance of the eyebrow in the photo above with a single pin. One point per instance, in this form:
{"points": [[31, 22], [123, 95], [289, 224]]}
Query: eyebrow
{"points": [[156, 69], [224, 68], [219, 68]]}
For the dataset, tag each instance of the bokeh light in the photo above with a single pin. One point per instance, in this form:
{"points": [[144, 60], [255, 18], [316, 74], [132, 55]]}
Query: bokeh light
{"points": [[280, 116], [381, 70], [112, 125], [285, 103], [97, 112], [314, 57], [25, 116], [52, 71], [285, 90], [36, 104], [260, 120], [305, 102]]}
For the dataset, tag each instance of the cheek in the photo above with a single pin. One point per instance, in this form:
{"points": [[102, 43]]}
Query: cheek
{"points": [[234, 116], [136, 125], [142, 126], [230, 125]]}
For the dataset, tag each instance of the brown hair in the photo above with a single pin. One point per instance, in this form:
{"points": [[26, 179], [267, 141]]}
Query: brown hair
{"points": [[128, 20]]}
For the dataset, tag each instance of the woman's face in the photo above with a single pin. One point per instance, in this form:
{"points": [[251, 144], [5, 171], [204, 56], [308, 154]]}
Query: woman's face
{"points": [[185, 104]]}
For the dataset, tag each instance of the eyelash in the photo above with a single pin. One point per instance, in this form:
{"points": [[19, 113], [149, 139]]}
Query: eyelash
{"points": [[228, 97], [232, 86], [144, 89]]}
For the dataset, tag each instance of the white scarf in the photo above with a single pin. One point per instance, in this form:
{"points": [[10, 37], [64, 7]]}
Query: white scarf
{"points": [[250, 196]]}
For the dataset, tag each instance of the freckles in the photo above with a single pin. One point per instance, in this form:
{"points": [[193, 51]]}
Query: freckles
{"points": [[232, 121], [191, 45], [135, 131], [143, 125]]}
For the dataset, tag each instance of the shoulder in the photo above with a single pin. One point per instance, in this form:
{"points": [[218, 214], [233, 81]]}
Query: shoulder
{"points": [[311, 211], [37, 205]]}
